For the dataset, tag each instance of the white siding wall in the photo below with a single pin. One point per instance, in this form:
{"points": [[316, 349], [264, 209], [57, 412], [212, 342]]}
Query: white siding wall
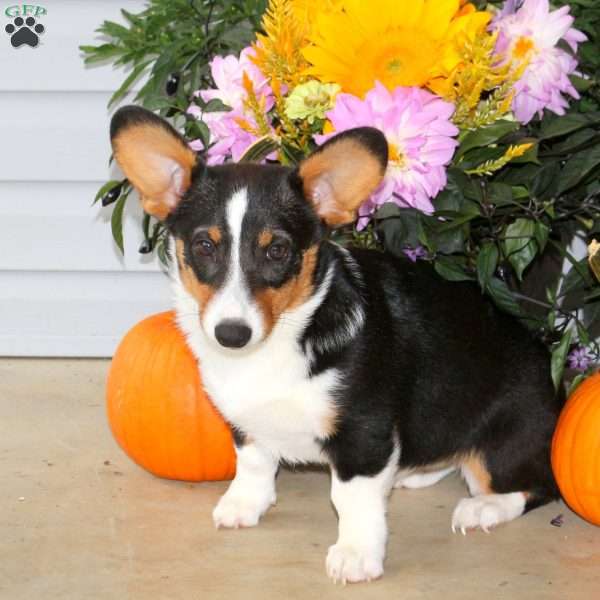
{"points": [[64, 288]]}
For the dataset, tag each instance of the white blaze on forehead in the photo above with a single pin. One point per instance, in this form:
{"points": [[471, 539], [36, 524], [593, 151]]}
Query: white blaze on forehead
{"points": [[233, 300]]}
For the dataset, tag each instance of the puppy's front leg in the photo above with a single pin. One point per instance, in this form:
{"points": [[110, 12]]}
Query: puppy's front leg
{"points": [[251, 492], [361, 503]]}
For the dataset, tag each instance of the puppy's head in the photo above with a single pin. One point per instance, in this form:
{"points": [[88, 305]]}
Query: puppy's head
{"points": [[246, 235]]}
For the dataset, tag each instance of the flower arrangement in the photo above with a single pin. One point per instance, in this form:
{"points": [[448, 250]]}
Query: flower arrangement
{"points": [[492, 115]]}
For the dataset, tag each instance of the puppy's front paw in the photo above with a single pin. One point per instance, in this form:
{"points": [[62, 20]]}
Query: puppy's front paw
{"points": [[353, 564], [235, 511]]}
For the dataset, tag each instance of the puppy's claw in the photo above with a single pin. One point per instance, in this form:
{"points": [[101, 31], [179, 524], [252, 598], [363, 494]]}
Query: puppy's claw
{"points": [[350, 564]]}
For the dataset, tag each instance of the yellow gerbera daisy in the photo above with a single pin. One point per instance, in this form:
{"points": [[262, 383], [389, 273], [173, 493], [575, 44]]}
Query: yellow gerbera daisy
{"points": [[396, 42], [306, 11]]}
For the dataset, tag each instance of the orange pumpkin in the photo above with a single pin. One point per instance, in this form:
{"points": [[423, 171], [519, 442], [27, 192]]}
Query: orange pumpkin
{"points": [[576, 450], [158, 411]]}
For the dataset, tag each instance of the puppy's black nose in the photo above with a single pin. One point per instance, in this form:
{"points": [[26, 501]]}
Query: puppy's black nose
{"points": [[233, 333]]}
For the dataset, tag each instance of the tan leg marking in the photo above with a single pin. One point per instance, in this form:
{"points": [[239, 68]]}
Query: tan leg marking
{"points": [[476, 473]]}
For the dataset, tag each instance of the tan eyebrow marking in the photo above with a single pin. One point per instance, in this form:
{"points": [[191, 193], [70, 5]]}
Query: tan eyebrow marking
{"points": [[214, 233], [200, 291], [265, 238]]}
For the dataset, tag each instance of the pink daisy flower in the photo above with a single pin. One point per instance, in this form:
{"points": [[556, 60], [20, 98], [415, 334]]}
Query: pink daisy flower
{"points": [[530, 31], [228, 74], [229, 139], [421, 142]]}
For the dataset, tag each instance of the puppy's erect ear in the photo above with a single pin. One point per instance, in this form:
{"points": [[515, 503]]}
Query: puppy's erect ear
{"points": [[153, 156], [339, 176]]}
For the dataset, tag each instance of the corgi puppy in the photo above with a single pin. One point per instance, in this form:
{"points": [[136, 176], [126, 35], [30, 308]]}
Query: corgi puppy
{"points": [[352, 358]]}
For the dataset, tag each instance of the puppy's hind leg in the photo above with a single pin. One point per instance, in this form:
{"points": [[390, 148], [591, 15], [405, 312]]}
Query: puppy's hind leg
{"points": [[487, 511], [414, 480], [503, 488]]}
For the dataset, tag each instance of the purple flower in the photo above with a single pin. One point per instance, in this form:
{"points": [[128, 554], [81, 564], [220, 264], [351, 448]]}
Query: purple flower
{"points": [[196, 145], [415, 254], [529, 32], [230, 131], [421, 142], [228, 138], [228, 74], [580, 358]]}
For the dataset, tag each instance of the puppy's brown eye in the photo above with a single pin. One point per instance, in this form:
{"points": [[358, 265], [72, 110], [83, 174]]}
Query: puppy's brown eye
{"points": [[277, 251], [203, 247]]}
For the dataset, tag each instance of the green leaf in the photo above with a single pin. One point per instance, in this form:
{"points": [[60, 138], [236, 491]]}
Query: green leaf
{"points": [[573, 142], [475, 158], [399, 227], [99, 53], [545, 182], [216, 105], [485, 136], [591, 314], [575, 383], [557, 126], [162, 253], [542, 232], [518, 174], [116, 223], [469, 211], [593, 295], [582, 334], [519, 245], [114, 30], [503, 297], [135, 73], [578, 167], [500, 194], [449, 199], [451, 268], [559, 356], [389, 210], [290, 155], [436, 240], [260, 149], [109, 185], [198, 129], [581, 265], [520, 192], [487, 261], [132, 18], [572, 281]]}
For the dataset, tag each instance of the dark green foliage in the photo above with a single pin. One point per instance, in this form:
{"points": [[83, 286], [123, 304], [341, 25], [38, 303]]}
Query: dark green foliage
{"points": [[511, 231], [171, 42], [169, 46]]}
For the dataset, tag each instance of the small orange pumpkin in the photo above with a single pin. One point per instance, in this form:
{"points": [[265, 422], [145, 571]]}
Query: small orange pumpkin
{"points": [[158, 411], [576, 450]]}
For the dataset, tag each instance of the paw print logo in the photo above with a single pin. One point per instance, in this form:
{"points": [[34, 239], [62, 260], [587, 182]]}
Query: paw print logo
{"points": [[24, 31]]}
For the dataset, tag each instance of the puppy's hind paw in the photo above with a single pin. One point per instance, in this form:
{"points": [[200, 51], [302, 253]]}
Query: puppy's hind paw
{"points": [[349, 564], [487, 511]]}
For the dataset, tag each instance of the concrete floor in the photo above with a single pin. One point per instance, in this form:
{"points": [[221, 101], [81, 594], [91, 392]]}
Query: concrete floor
{"points": [[78, 520]]}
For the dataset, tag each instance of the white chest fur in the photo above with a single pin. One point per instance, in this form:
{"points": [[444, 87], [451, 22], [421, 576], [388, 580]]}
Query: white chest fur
{"points": [[266, 391]]}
